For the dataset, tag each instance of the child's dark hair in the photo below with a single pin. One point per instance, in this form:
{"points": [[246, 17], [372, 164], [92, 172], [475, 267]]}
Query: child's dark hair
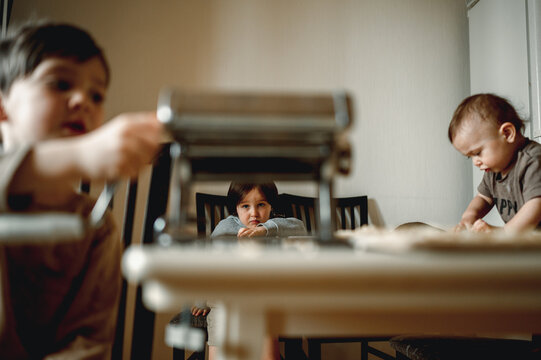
{"points": [[237, 191], [26, 47], [489, 107]]}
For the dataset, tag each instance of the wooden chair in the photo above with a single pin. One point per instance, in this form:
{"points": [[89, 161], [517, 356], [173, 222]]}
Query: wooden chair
{"points": [[127, 234], [155, 205], [351, 213], [300, 207], [210, 209], [450, 348], [143, 325], [144, 319]]}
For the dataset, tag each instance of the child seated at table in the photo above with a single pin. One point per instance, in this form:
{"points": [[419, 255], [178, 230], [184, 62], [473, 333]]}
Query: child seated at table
{"points": [[487, 129], [255, 213], [254, 208], [59, 300]]}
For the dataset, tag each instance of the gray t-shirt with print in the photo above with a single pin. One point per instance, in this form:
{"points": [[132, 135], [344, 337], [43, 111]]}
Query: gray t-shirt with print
{"points": [[522, 183]]}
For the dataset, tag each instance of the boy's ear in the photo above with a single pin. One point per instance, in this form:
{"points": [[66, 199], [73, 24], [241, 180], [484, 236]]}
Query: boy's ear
{"points": [[508, 131]]}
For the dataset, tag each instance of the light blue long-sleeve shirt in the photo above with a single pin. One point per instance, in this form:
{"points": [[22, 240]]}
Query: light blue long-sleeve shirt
{"points": [[276, 227]]}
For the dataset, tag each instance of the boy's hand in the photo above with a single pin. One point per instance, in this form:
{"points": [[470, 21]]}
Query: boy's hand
{"points": [[117, 149], [121, 147]]}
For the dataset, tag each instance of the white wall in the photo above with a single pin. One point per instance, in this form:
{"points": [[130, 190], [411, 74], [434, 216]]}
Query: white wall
{"points": [[499, 63], [404, 62]]}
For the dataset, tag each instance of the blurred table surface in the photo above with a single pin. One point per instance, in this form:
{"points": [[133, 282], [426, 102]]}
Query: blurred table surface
{"points": [[297, 288]]}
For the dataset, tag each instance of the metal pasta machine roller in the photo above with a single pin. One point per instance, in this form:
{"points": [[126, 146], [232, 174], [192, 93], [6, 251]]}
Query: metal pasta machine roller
{"points": [[255, 137], [53, 227]]}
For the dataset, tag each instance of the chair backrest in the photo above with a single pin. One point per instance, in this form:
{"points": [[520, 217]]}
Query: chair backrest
{"points": [[351, 212], [300, 207], [210, 210], [156, 205], [142, 330]]}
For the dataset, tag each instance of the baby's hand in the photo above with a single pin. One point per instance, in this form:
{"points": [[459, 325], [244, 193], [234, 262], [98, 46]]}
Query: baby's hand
{"points": [[463, 225], [121, 147], [460, 227], [481, 226], [251, 232]]}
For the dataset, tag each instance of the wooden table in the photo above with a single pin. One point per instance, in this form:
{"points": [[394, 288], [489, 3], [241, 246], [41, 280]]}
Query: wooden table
{"points": [[307, 290]]}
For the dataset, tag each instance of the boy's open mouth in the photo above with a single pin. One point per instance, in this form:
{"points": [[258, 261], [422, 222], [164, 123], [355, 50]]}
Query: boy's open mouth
{"points": [[75, 127]]}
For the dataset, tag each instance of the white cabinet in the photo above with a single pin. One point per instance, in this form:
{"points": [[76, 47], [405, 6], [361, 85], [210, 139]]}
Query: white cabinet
{"points": [[504, 59], [533, 9]]}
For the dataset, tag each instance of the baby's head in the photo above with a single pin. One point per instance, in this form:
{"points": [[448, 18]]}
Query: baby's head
{"points": [[486, 107], [488, 129], [253, 203], [53, 79]]}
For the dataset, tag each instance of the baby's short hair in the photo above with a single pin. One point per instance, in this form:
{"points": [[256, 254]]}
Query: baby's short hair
{"points": [[488, 107], [23, 49]]}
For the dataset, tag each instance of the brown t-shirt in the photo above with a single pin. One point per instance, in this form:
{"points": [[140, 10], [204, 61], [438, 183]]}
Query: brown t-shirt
{"points": [[58, 301], [522, 183]]}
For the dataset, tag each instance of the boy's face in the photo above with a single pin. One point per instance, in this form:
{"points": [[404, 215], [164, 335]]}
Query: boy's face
{"points": [[60, 98], [485, 144], [253, 209]]}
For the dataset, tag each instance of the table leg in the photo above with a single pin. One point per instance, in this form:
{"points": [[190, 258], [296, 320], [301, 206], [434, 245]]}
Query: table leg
{"points": [[241, 332]]}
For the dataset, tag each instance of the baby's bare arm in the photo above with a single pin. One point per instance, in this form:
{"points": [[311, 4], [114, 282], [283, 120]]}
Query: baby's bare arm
{"points": [[527, 218], [119, 148], [477, 209]]}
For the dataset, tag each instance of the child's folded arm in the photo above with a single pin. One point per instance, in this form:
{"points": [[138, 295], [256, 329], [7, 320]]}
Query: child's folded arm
{"points": [[284, 227]]}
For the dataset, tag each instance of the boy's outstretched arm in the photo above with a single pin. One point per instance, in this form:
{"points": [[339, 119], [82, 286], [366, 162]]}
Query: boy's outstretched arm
{"points": [[119, 148], [527, 218], [477, 209]]}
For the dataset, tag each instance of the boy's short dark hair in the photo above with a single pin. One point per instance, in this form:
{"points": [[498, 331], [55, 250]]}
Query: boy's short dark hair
{"points": [[237, 191], [26, 47], [489, 107]]}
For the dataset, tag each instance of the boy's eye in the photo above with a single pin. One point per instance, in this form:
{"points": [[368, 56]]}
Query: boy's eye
{"points": [[244, 206], [473, 154], [261, 204], [62, 85], [98, 98]]}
